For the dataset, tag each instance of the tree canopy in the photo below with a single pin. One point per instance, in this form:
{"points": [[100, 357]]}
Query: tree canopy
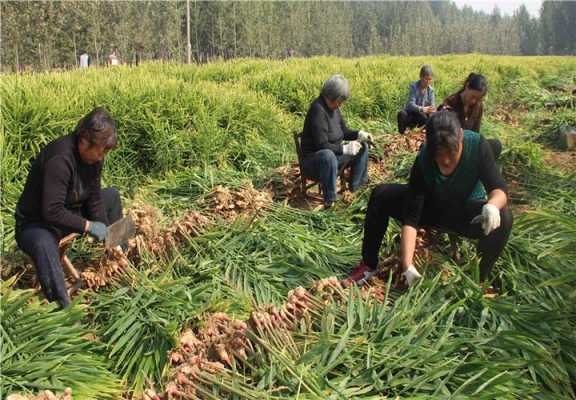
{"points": [[48, 34]]}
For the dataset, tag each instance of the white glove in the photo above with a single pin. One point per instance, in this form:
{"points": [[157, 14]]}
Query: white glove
{"points": [[351, 148], [412, 275], [490, 218], [365, 136]]}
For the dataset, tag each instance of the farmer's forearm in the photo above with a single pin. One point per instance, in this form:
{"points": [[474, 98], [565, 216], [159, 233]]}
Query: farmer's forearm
{"points": [[498, 198], [407, 245]]}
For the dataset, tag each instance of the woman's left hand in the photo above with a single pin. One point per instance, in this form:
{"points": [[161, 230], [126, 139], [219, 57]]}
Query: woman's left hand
{"points": [[364, 136], [490, 218]]}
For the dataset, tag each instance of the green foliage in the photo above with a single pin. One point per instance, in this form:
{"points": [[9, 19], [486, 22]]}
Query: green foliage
{"points": [[438, 341], [51, 33], [258, 258], [140, 322], [43, 348], [185, 129]]}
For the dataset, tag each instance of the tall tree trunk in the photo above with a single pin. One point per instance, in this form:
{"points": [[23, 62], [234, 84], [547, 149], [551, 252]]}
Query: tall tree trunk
{"points": [[234, 22], [75, 49], [40, 56], [97, 52], [17, 58], [196, 23]]}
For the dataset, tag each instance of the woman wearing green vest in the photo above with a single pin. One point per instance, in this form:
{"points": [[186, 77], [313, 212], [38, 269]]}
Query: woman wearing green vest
{"points": [[446, 191]]}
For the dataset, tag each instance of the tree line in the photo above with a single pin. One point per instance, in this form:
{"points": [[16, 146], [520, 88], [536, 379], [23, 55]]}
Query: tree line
{"points": [[48, 34]]}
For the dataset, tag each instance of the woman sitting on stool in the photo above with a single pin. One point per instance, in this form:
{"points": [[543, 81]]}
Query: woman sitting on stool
{"points": [[322, 148], [445, 191], [63, 195]]}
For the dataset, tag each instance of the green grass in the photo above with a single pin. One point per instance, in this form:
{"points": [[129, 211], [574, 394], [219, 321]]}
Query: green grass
{"points": [[186, 129]]}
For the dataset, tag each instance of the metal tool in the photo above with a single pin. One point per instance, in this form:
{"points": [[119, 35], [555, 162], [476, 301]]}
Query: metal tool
{"points": [[120, 231]]}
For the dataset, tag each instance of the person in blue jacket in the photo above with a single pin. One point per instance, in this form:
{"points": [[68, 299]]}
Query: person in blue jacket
{"points": [[421, 102]]}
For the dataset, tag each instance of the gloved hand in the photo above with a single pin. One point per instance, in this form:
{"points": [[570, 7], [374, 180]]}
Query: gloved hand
{"points": [[364, 136], [490, 218], [412, 275], [98, 230], [351, 148]]}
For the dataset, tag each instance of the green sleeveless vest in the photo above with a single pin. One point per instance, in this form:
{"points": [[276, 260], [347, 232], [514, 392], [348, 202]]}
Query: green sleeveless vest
{"points": [[464, 183]]}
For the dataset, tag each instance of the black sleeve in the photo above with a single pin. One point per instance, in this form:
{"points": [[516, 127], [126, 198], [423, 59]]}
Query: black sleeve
{"points": [[94, 203], [416, 196], [490, 175], [348, 134], [57, 174], [478, 120], [319, 132]]}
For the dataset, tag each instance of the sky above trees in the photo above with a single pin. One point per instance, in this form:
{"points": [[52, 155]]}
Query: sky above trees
{"points": [[507, 7]]}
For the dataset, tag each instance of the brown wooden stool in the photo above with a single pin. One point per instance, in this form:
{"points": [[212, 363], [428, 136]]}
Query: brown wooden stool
{"points": [[304, 179], [69, 269]]}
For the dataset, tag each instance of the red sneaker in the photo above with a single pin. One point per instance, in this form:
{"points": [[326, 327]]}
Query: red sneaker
{"points": [[360, 275], [490, 292]]}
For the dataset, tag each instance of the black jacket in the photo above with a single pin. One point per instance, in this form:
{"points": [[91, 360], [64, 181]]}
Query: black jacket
{"points": [[324, 129], [61, 189]]}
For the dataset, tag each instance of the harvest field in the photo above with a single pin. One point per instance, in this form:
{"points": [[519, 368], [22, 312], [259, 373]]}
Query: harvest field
{"points": [[205, 163]]}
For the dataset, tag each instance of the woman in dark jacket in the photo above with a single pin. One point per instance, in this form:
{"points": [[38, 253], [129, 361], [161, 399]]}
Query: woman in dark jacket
{"points": [[62, 195], [322, 147], [446, 191]]}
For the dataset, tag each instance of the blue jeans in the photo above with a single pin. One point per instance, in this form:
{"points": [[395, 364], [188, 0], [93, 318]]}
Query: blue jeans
{"points": [[324, 164], [40, 241]]}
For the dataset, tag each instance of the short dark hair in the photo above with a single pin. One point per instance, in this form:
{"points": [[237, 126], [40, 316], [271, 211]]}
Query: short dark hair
{"points": [[98, 128], [426, 70], [443, 131], [476, 82]]}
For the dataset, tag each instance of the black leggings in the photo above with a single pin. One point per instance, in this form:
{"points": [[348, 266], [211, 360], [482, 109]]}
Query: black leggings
{"points": [[388, 201], [40, 242], [411, 119]]}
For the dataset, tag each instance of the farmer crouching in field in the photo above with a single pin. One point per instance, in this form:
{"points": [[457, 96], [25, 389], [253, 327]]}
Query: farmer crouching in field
{"points": [[421, 102], [445, 191], [468, 104], [322, 148], [63, 195]]}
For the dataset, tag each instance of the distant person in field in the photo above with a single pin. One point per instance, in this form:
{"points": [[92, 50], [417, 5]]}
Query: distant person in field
{"points": [[62, 195], [138, 54], [468, 104], [113, 59], [421, 102], [445, 191], [84, 60], [322, 147]]}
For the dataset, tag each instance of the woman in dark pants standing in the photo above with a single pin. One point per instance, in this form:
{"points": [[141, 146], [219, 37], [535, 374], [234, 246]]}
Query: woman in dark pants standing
{"points": [[446, 191], [62, 195]]}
